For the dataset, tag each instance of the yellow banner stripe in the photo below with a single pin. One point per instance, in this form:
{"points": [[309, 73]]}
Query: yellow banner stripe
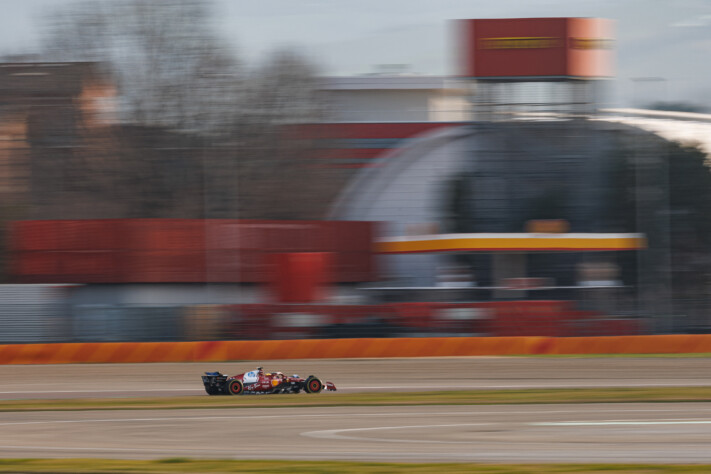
{"points": [[532, 244]]}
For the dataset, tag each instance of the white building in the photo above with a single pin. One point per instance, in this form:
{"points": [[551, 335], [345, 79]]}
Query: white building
{"points": [[378, 98]]}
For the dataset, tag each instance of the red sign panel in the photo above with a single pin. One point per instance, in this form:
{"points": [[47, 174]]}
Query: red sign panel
{"points": [[536, 48]]}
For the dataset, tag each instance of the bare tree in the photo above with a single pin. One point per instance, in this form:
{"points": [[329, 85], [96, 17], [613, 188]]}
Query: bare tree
{"points": [[286, 179], [284, 89], [223, 138], [171, 69]]}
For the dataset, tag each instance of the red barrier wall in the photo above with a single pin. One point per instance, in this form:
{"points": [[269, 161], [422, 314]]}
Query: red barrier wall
{"points": [[300, 277], [129, 352], [180, 250]]}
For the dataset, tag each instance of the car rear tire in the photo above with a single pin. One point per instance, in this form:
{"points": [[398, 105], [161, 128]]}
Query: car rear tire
{"points": [[235, 387], [313, 385], [212, 390]]}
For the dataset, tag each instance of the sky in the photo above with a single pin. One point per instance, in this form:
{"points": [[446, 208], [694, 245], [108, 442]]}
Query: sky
{"points": [[668, 40]]}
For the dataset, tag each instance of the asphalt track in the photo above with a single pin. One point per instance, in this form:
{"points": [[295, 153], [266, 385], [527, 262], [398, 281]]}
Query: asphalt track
{"points": [[624, 432], [358, 375]]}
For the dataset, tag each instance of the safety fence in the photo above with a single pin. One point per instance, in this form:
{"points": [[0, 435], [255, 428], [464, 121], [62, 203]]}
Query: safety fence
{"points": [[495, 319], [130, 323], [209, 351]]}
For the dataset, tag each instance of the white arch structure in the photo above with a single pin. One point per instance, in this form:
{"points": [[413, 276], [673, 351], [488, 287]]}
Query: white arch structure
{"points": [[684, 127], [404, 190]]}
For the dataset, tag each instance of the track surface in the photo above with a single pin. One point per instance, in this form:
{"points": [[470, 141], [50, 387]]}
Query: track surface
{"points": [[652, 432], [357, 375], [648, 433]]}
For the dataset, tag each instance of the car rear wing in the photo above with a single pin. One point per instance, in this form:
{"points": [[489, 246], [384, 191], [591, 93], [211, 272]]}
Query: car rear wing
{"points": [[214, 378]]}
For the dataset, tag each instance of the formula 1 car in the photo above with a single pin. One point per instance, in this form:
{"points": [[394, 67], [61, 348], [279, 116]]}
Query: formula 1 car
{"points": [[258, 382]]}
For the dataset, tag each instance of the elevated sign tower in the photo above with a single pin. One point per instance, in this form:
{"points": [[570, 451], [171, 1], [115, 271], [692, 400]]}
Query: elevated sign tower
{"points": [[533, 65]]}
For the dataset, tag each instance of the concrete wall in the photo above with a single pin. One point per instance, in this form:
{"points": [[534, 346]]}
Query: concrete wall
{"points": [[166, 294]]}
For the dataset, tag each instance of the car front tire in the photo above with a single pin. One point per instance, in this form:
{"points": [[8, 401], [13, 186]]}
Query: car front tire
{"points": [[313, 385]]}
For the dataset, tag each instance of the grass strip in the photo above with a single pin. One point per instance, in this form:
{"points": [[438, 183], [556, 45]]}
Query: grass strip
{"points": [[459, 397], [218, 466]]}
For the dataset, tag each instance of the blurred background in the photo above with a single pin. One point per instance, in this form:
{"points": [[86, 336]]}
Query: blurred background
{"points": [[197, 170]]}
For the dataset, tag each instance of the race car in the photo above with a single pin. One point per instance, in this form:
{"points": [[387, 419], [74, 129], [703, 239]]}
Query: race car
{"points": [[258, 382]]}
